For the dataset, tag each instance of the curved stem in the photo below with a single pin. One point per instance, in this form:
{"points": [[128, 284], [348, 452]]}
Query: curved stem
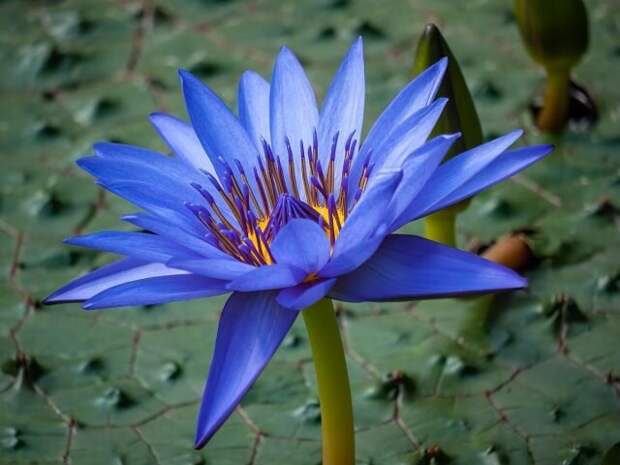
{"points": [[441, 227], [554, 113], [333, 384]]}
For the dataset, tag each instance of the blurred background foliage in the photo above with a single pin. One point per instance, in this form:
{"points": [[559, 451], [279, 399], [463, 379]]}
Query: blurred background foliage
{"points": [[533, 381]]}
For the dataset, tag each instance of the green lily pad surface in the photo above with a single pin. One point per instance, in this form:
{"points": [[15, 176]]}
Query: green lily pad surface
{"points": [[533, 380]]}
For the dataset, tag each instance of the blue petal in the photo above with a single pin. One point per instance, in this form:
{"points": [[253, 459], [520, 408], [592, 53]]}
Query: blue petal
{"points": [[120, 272], [219, 130], [302, 244], [351, 258], [410, 267], [109, 172], [128, 152], [254, 107], [251, 328], [293, 110], [156, 201], [182, 140], [416, 95], [175, 234], [366, 221], [158, 290], [454, 173], [147, 247], [506, 165], [305, 294], [129, 157], [343, 109], [119, 163], [409, 136], [417, 169], [214, 267], [404, 140], [268, 277]]}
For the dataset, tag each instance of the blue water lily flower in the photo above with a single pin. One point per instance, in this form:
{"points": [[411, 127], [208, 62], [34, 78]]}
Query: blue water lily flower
{"points": [[284, 205]]}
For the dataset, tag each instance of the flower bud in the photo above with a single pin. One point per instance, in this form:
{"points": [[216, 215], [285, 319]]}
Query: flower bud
{"points": [[555, 32], [460, 114]]}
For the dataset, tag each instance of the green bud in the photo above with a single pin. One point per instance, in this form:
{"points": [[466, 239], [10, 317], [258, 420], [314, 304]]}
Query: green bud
{"points": [[460, 114], [555, 32]]}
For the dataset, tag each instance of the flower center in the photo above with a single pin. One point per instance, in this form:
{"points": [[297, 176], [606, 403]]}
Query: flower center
{"points": [[250, 214]]}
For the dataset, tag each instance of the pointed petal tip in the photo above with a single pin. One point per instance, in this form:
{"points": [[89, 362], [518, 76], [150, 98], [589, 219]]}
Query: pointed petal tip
{"points": [[156, 115], [250, 74], [287, 56], [100, 146], [514, 281], [201, 440], [440, 102], [82, 162], [52, 298], [187, 78], [284, 50], [439, 68], [546, 149]]}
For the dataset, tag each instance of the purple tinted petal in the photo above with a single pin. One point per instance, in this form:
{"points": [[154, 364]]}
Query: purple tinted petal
{"points": [[408, 136], [410, 267], [175, 234], [147, 247], [343, 109], [302, 244], [506, 165], [120, 272], [416, 95], [251, 328], [158, 290], [168, 175], [305, 294], [351, 258], [418, 168], [182, 140], [156, 200], [293, 110], [217, 128], [455, 172], [268, 277], [124, 160], [367, 220], [214, 268], [254, 107], [159, 170]]}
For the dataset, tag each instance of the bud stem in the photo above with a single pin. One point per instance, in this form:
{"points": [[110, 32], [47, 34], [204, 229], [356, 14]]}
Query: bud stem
{"points": [[441, 227], [554, 113]]}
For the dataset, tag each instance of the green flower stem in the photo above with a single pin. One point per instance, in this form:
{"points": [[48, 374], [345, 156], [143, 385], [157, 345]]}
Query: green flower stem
{"points": [[554, 113], [441, 227], [333, 383]]}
